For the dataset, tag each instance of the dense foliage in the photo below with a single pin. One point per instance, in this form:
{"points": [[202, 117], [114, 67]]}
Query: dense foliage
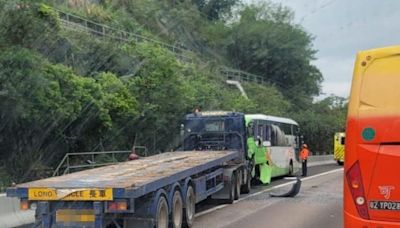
{"points": [[66, 91]]}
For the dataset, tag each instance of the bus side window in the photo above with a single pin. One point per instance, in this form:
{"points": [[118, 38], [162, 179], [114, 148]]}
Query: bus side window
{"points": [[267, 133], [260, 134], [273, 136]]}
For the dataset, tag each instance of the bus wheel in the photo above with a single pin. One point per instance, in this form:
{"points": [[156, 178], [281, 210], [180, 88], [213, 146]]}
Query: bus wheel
{"points": [[238, 183], [162, 213], [291, 168], [177, 208], [189, 211]]}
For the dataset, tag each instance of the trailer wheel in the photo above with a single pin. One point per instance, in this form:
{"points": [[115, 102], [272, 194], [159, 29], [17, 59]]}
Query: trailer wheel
{"points": [[190, 208], [232, 189], [247, 186], [238, 183], [162, 213], [177, 210]]}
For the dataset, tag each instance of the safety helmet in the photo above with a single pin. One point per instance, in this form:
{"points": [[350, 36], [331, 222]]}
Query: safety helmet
{"points": [[304, 145]]}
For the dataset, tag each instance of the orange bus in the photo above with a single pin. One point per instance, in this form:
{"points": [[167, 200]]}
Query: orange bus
{"points": [[372, 167]]}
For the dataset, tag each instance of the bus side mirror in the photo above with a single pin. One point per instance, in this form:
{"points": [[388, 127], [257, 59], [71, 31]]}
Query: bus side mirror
{"points": [[267, 143]]}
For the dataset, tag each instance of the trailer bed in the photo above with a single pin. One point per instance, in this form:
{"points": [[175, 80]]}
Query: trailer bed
{"points": [[136, 177]]}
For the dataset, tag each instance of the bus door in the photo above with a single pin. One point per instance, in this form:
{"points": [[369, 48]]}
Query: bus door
{"points": [[262, 155]]}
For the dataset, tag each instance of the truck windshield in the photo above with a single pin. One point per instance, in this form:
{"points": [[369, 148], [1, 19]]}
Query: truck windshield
{"points": [[214, 125]]}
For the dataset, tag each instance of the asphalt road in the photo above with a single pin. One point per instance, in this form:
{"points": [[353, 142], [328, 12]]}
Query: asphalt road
{"points": [[319, 204]]}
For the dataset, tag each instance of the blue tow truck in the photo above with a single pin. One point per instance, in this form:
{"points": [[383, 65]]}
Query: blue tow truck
{"points": [[157, 191]]}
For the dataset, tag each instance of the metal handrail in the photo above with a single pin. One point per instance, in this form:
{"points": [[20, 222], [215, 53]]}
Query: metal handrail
{"points": [[242, 76], [67, 167], [72, 21]]}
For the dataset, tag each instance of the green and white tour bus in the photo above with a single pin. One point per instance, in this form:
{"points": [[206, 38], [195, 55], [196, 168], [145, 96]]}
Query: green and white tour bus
{"points": [[273, 145]]}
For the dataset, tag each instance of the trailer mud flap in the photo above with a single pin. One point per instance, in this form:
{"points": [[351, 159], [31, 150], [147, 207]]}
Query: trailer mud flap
{"points": [[265, 173]]}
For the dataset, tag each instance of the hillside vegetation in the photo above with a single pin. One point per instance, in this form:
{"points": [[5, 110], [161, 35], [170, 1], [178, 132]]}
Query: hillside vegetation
{"points": [[67, 91]]}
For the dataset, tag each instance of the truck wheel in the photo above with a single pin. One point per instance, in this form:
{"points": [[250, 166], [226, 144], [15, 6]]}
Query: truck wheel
{"points": [[340, 163], [189, 211], [232, 187], [246, 188], [177, 208], [237, 184], [162, 213]]}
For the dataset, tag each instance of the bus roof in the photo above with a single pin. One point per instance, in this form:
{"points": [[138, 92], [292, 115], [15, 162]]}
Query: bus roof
{"points": [[214, 114], [272, 118]]}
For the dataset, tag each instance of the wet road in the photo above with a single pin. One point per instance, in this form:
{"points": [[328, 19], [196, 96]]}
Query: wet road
{"points": [[319, 204]]}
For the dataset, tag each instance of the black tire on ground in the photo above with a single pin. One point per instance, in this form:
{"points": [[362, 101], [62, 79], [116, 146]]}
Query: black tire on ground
{"points": [[247, 186], [162, 213], [291, 168], [340, 162], [189, 211], [177, 210], [232, 187], [238, 184]]}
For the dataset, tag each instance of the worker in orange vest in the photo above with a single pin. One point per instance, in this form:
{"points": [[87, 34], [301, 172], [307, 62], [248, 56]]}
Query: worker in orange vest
{"points": [[304, 153]]}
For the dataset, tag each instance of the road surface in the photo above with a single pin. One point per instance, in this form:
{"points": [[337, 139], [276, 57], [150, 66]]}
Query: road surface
{"points": [[319, 204]]}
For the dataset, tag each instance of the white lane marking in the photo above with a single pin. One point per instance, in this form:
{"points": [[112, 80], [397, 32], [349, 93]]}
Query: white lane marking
{"points": [[266, 190]]}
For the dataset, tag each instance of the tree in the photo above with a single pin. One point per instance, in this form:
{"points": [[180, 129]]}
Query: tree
{"points": [[266, 42], [321, 121], [47, 111], [215, 10]]}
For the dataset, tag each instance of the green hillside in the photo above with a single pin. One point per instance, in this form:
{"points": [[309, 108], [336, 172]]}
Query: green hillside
{"points": [[66, 90]]}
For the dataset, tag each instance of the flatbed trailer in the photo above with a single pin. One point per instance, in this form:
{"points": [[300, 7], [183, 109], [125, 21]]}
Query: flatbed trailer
{"points": [[156, 191]]}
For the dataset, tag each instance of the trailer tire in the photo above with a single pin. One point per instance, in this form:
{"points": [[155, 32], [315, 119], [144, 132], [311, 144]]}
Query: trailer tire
{"points": [[237, 185], [177, 210], [189, 211], [247, 186], [232, 189], [162, 215]]}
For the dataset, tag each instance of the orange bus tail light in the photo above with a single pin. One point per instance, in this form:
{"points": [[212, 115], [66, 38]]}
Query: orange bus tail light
{"points": [[356, 187]]}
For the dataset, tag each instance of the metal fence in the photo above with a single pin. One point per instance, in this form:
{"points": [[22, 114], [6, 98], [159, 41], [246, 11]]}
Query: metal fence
{"points": [[85, 160], [77, 23], [241, 76]]}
